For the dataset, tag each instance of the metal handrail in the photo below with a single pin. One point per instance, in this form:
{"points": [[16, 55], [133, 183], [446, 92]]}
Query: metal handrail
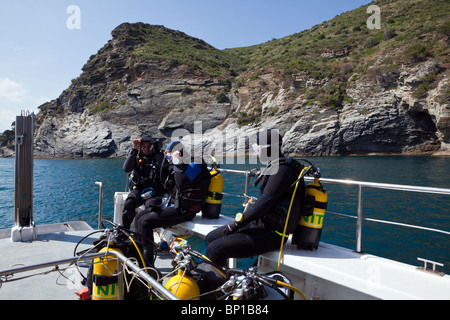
{"points": [[100, 204], [128, 262], [386, 186], [360, 209]]}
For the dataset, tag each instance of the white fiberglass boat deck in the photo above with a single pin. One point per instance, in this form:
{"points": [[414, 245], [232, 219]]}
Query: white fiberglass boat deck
{"points": [[53, 243], [51, 276], [333, 272]]}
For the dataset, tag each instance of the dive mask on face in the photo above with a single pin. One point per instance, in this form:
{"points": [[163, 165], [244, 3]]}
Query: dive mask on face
{"points": [[173, 158], [168, 157], [257, 148]]}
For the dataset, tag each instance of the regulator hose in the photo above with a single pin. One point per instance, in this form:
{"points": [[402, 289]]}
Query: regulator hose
{"points": [[292, 288], [305, 169]]}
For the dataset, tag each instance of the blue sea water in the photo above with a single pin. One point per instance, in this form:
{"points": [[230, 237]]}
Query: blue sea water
{"points": [[65, 190]]}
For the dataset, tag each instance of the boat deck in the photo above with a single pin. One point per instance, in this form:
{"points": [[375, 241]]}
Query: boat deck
{"points": [[54, 242], [360, 276], [341, 273]]}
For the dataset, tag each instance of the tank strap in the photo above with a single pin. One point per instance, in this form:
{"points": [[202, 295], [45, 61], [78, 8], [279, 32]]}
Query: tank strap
{"points": [[320, 205], [215, 195], [101, 281], [320, 188]]}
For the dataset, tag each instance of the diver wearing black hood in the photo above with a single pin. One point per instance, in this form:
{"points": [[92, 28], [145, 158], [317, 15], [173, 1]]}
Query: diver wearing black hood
{"points": [[260, 228], [187, 184], [143, 163]]}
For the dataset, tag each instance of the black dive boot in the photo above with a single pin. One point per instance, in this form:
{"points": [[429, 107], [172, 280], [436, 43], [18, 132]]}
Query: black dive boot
{"points": [[148, 254]]}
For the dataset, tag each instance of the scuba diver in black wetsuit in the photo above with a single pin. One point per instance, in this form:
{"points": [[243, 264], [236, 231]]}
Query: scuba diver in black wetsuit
{"points": [[143, 162], [260, 228], [188, 183]]}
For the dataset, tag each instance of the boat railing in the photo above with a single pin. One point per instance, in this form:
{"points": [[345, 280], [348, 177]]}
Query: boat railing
{"points": [[360, 205], [100, 204], [141, 273]]}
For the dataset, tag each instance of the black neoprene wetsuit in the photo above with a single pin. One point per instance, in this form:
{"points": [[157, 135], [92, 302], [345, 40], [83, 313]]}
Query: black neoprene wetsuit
{"points": [[261, 228], [145, 171], [190, 187]]}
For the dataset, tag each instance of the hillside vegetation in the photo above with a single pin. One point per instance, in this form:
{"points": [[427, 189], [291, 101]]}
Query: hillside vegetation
{"points": [[344, 48]]}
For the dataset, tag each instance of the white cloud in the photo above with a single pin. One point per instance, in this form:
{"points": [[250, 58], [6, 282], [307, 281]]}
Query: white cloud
{"points": [[12, 91], [14, 99], [9, 112], [7, 117]]}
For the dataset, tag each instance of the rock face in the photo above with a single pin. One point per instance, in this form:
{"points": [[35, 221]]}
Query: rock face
{"points": [[118, 98], [390, 122], [113, 102]]}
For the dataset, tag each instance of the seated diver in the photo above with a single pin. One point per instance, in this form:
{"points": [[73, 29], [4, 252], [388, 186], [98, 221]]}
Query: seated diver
{"points": [[188, 183], [143, 161], [260, 228]]}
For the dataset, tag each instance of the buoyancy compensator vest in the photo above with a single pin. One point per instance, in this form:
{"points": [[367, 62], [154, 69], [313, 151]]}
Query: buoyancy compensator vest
{"points": [[302, 204], [191, 196], [146, 173]]}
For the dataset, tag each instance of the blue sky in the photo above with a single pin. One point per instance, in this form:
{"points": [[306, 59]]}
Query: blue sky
{"points": [[40, 55]]}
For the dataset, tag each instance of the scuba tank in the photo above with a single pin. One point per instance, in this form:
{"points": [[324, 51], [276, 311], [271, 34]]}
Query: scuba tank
{"points": [[105, 282], [183, 286], [213, 203], [105, 279], [308, 232]]}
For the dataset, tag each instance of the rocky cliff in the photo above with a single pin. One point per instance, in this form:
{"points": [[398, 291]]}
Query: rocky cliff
{"points": [[336, 89]]}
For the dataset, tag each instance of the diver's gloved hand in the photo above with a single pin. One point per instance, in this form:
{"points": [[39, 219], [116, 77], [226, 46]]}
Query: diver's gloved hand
{"points": [[230, 228]]}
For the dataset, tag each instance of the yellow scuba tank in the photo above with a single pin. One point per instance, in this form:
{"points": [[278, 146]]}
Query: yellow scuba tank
{"points": [[308, 232], [183, 286], [105, 282], [213, 203]]}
